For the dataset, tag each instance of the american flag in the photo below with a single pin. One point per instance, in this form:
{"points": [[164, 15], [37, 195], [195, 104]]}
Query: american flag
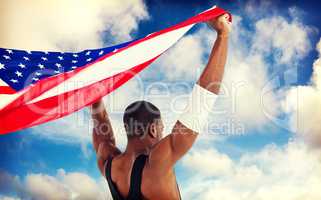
{"points": [[20, 69], [37, 86]]}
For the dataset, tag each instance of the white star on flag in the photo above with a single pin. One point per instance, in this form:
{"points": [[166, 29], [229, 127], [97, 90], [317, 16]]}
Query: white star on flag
{"points": [[6, 57], [19, 74], [58, 65], [9, 51], [41, 66], [22, 65], [14, 81], [2, 66]]}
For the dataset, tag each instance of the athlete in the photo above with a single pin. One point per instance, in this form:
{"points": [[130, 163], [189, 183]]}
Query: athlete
{"points": [[145, 170]]}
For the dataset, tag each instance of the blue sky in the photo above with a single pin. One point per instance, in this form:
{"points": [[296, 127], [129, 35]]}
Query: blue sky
{"points": [[33, 151]]}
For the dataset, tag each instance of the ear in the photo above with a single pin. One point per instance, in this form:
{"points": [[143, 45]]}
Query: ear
{"points": [[152, 130]]}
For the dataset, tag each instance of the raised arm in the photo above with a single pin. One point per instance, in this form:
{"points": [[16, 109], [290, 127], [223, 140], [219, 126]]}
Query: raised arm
{"points": [[103, 136], [212, 75], [176, 144]]}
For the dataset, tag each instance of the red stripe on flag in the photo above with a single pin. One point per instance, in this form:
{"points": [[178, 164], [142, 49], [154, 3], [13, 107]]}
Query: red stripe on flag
{"points": [[6, 90], [61, 105]]}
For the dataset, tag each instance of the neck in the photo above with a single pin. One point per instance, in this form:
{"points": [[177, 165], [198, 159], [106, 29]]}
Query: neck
{"points": [[136, 146]]}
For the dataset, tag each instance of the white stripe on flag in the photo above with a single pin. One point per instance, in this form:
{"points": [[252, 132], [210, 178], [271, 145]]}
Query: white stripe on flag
{"points": [[7, 98], [2, 83], [209, 9], [119, 62]]}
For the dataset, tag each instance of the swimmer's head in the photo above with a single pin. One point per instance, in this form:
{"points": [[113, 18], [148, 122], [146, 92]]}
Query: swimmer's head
{"points": [[142, 120]]}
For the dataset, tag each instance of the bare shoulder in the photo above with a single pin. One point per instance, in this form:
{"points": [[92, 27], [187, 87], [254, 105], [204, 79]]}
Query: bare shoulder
{"points": [[160, 154], [172, 147]]}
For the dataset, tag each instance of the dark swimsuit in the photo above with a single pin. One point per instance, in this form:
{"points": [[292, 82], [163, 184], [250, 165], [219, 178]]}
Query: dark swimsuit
{"points": [[135, 180]]}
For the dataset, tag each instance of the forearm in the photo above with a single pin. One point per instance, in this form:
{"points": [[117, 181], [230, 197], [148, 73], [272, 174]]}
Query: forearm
{"points": [[102, 129], [98, 112], [212, 75], [203, 95]]}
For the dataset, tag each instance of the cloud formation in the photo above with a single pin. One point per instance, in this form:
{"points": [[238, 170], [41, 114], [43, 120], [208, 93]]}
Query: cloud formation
{"points": [[303, 104], [290, 172], [64, 186], [208, 162], [287, 39], [8, 198], [68, 25]]}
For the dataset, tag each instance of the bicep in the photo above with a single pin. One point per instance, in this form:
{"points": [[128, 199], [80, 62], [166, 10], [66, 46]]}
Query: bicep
{"points": [[174, 146], [100, 136], [102, 129], [105, 146]]}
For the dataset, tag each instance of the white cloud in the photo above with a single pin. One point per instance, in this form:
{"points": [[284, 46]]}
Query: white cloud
{"points": [[242, 92], [41, 186], [68, 25], [303, 105], [81, 185], [199, 161], [8, 198], [290, 172], [288, 38], [185, 60], [73, 185], [76, 128]]}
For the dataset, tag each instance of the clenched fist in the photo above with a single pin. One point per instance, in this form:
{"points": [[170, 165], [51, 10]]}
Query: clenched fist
{"points": [[221, 24]]}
